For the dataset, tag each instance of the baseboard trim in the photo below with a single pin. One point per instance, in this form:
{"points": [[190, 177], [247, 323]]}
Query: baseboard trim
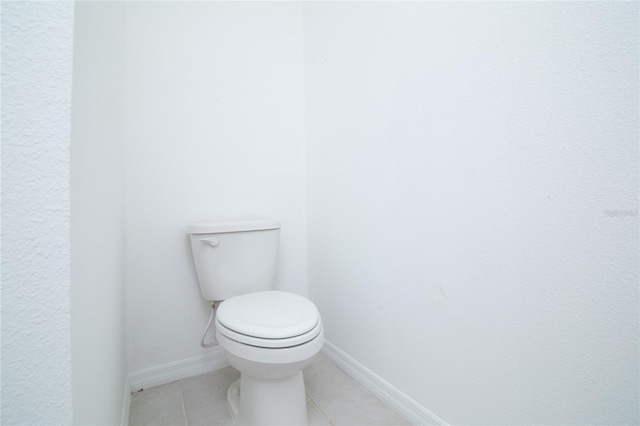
{"points": [[379, 387], [126, 403], [177, 370]]}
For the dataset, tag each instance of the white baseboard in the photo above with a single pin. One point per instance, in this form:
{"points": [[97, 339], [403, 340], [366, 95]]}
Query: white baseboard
{"points": [[177, 370], [387, 393], [126, 403]]}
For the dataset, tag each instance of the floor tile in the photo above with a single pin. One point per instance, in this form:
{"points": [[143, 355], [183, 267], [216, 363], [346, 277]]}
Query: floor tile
{"points": [[316, 418], [333, 398], [219, 416], [157, 406], [323, 374], [205, 397], [350, 404]]}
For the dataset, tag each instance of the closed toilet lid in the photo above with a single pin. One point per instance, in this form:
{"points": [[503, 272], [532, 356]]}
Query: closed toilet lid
{"points": [[269, 315]]}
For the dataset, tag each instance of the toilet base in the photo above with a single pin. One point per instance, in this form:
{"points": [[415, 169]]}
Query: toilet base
{"points": [[281, 401]]}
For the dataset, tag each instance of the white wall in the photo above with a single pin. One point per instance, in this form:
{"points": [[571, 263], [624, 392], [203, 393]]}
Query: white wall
{"points": [[462, 158], [214, 127], [97, 214], [36, 117]]}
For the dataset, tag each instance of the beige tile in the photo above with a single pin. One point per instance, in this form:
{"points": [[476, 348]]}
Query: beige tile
{"points": [[316, 418], [323, 374], [350, 404], [205, 397], [157, 406], [208, 416], [334, 398]]}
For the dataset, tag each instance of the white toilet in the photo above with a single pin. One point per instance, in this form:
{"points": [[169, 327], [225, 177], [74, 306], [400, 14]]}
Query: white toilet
{"points": [[269, 336]]}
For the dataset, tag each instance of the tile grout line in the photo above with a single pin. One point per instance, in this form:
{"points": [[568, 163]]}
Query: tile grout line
{"points": [[319, 410], [184, 411]]}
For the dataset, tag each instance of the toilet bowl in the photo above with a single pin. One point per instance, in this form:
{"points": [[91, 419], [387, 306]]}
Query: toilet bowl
{"points": [[267, 335]]}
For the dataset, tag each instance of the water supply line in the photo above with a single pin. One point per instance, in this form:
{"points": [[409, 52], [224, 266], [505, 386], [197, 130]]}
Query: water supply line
{"points": [[214, 307]]}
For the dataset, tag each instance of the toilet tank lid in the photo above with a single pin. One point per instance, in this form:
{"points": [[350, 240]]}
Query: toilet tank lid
{"points": [[233, 225]]}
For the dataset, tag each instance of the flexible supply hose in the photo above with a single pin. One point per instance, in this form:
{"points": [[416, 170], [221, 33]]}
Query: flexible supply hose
{"points": [[214, 307]]}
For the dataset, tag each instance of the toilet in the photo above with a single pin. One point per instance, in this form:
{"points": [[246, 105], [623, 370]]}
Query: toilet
{"points": [[267, 335]]}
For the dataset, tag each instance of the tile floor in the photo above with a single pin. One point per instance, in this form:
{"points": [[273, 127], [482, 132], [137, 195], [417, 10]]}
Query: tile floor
{"points": [[333, 398]]}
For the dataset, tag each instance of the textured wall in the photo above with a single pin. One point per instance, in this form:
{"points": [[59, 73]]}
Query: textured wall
{"points": [[36, 118], [214, 127], [465, 161], [97, 214]]}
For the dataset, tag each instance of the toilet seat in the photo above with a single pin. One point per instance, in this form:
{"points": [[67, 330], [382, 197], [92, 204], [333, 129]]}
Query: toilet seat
{"points": [[270, 343], [269, 319]]}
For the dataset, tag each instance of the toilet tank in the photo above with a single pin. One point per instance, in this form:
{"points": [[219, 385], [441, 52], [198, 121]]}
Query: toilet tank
{"points": [[234, 257]]}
